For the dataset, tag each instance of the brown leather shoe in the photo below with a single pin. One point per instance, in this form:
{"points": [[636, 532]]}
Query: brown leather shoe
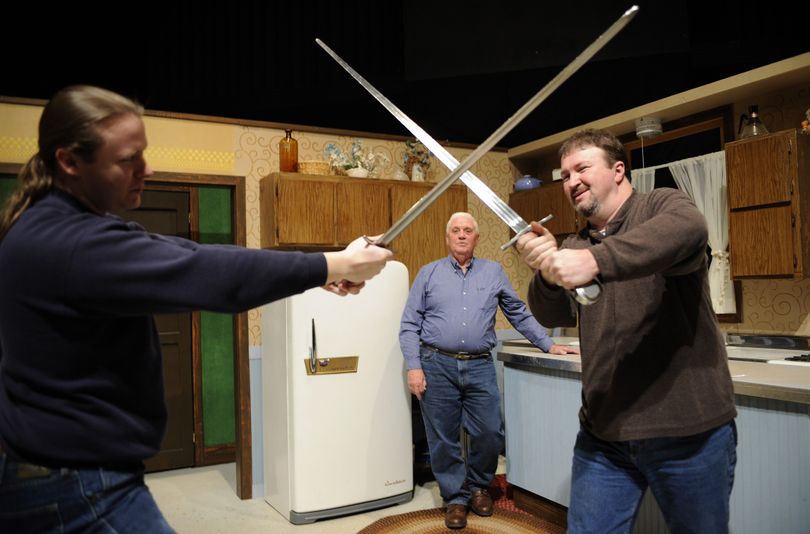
{"points": [[481, 502], [456, 516]]}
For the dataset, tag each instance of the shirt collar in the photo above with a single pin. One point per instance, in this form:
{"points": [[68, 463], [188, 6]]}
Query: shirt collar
{"points": [[615, 223], [456, 265]]}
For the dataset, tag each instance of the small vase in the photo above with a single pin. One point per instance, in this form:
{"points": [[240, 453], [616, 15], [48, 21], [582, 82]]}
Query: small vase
{"points": [[357, 172], [417, 174]]}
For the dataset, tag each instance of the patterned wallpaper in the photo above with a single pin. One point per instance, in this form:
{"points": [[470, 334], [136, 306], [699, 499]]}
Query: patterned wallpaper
{"points": [[776, 306]]}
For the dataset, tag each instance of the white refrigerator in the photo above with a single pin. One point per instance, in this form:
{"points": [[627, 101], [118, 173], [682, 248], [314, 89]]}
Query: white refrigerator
{"points": [[336, 407]]}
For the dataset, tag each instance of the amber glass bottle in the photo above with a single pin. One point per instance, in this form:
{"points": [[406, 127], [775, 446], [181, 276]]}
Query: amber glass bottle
{"points": [[288, 153]]}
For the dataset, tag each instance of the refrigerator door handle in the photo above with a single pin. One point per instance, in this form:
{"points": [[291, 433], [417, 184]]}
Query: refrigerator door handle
{"points": [[313, 351]]}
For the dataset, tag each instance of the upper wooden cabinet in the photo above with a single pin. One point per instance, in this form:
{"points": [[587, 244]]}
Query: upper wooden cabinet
{"points": [[535, 204], [300, 211], [768, 195], [424, 240], [362, 208]]}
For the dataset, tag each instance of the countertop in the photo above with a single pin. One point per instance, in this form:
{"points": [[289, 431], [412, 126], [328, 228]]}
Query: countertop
{"points": [[751, 378]]}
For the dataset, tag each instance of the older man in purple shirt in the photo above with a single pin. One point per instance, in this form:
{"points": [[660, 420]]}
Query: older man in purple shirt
{"points": [[446, 335]]}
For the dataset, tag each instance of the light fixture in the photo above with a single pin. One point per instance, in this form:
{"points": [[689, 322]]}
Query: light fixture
{"points": [[647, 127]]}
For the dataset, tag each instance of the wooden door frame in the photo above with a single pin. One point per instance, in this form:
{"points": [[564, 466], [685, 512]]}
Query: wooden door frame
{"points": [[243, 449]]}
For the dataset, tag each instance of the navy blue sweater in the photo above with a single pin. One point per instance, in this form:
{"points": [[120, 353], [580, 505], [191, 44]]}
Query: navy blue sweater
{"points": [[80, 367]]}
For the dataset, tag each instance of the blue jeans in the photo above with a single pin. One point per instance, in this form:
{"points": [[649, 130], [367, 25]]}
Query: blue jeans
{"points": [[691, 478], [461, 392], [37, 499]]}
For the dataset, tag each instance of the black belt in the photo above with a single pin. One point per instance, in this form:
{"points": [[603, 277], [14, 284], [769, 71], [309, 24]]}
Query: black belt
{"points": [[25, 471], [457, 355]]}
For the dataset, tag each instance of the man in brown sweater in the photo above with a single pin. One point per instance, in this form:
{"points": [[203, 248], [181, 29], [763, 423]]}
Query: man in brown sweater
{"points": [[657, 398]]}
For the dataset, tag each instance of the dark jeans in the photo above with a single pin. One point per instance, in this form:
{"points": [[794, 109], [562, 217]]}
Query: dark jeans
{"points": [[37, 499], [691, 478], [461, 393]]}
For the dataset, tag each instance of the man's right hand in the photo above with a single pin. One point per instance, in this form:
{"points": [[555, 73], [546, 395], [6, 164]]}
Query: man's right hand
{"points": [[417, 382], [358, 262]]}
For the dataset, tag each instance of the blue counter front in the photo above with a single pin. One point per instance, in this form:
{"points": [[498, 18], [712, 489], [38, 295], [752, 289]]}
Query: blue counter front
{"points": [[772, 479]]}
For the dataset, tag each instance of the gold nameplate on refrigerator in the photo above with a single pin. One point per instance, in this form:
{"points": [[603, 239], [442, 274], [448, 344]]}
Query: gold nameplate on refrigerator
{"points": [[331, 366]]}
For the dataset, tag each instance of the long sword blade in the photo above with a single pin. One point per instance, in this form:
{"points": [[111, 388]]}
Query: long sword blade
{"points": [[506, 127], [481, 190]]}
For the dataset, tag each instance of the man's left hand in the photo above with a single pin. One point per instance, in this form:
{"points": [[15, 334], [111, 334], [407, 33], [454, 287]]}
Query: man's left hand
{"points": [[569, 268], [563, 349]]}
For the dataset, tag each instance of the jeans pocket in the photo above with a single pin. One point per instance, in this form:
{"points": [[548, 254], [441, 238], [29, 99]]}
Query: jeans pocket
{"points": [[41, 519]]}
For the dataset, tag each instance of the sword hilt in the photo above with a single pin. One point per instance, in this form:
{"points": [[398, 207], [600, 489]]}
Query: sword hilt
{"points": [[585, 295]]}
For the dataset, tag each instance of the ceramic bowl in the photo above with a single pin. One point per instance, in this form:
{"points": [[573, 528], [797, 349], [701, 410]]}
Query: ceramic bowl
{"points": [[527, 182]]}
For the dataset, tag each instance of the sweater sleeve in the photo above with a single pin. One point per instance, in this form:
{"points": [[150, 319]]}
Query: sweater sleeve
{"points": [[122, 269], [672, 241], [551, 305]]}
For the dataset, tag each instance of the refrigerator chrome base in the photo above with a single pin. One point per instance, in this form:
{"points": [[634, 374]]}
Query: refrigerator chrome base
{"points": [[310, 517]]}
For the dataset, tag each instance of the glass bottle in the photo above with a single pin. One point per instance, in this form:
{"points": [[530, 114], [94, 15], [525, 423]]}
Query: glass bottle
{"points": [[751, 125], [288, 153]]}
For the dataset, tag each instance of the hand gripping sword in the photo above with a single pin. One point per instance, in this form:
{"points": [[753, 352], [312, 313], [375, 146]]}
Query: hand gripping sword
{"points": [[584, 295]]}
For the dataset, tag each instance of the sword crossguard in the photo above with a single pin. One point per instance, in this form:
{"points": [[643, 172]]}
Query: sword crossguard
{"points": [[525, 230], [370, 241]]}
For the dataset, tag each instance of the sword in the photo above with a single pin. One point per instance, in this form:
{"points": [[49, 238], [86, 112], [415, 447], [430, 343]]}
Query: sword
{"points": [[475, 184], [584, 295]]}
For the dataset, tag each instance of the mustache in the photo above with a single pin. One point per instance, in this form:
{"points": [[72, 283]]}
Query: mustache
{"points": [[578, 190]]}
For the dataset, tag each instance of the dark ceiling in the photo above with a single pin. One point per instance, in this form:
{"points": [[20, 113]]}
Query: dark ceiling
{"points": [[458, 67]]}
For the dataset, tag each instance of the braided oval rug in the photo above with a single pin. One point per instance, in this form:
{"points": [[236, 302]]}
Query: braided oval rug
{"points": [[432, 521]]}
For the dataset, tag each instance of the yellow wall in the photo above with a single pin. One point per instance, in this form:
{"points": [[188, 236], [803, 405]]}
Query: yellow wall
{"points": [[182, 145]]}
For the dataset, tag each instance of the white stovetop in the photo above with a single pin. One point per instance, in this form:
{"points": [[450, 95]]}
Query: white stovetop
{"points": [[775, 356]]}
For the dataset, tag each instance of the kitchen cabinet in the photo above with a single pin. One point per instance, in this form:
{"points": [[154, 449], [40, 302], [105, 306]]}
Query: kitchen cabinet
{"points": [[303, 210], [768, 196], [314, 212], [424, 240], [534, 204]]}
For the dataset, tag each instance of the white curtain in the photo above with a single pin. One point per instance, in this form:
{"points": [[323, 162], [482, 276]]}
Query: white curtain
{"points": [[704, 179], [643, 180]]}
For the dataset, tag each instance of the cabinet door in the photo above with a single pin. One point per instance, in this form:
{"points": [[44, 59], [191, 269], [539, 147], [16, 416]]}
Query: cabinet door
{"points": [[762, 243], [535, 204], [363, 208], [760, 170], [305, 212], [424, 240]]}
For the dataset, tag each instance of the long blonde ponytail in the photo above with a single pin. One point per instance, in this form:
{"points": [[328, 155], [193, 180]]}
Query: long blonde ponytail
{"points": [[32, 182]]}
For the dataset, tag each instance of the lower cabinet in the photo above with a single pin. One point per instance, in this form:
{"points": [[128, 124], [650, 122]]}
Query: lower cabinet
{"points": [[540, 418]]}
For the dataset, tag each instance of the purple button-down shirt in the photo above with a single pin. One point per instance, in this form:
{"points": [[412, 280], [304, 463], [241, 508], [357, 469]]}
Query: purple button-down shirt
{"points": [[455, 311]]}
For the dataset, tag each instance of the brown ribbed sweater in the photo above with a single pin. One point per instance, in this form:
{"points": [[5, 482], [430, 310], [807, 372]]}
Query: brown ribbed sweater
{"points": [[653, 359]]}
